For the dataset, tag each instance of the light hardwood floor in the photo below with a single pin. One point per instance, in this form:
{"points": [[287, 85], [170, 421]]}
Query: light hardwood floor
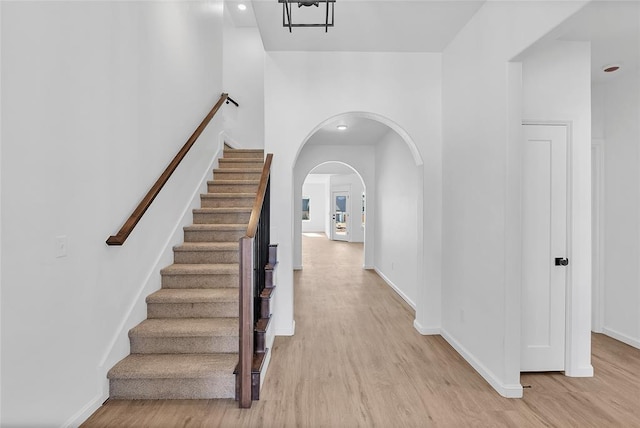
{"points": [[357, 361]]}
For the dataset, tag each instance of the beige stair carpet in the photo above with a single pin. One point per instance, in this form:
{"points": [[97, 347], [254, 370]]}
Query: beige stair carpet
{"points": [[187, 348]]}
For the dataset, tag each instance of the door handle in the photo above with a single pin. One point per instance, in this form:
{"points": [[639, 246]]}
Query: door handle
{"points": [[561, 261]]}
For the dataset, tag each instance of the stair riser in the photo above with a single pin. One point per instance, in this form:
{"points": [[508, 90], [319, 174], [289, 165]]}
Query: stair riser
{"points": [[208, 202], [221, 386], [232, 188], [236, 175], [192, 310], [213, 236], [184, 345], [208, 257], [226, 163], [243, 155], [221, 218], [200, 281]]}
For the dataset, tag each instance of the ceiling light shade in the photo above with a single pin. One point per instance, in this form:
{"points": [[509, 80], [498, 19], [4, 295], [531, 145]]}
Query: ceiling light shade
{"points": [[287, 13], [242, 6], [342, 127]]}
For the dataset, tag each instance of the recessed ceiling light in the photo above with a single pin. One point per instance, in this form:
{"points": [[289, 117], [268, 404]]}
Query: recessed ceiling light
{"points": [[341, 127], [242, 6], [611, 68]]}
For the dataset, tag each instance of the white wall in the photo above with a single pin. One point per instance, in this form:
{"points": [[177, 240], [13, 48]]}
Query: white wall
{"points": [[598, 91], [243, 78], [557, 87], [407, 94], [482, 110], [617, 109], [97, 97], [315, 188], [396, 219], [353, 184]]}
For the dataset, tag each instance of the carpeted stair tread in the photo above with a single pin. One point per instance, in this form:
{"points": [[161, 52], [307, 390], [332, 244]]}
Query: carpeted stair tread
{"points": [[223, 182], [227, 200], [214, 227], [207, 246], [207, 252], [222, 210], [239, 170], [227, 195], [173, 366], [231, 161], [243, 154], [237, 185], [201, 269], [194, 295], [186, 327]]}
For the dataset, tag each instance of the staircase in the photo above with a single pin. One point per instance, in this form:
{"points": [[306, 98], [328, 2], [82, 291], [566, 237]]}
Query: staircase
{"points": [[187, 348]]}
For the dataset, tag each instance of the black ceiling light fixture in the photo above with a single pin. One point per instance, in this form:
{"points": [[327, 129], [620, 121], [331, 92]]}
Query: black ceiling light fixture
{"points": [[288, 7]]}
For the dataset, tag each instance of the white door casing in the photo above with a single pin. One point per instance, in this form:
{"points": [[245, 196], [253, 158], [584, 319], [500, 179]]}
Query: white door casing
{"points": [[597, 235], [544, 239], [340, 216]]}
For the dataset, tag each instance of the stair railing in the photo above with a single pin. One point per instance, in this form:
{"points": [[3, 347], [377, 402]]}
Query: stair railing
{"points": [[254, 256], [138, 212]]}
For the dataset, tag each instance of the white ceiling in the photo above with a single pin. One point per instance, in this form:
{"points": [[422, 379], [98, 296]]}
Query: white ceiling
{"points": [[613, 28], [362, 26], [359, 131]]}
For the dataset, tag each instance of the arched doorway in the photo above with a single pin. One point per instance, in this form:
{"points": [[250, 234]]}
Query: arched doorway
{"points": [[388, 162], [333, 204]]}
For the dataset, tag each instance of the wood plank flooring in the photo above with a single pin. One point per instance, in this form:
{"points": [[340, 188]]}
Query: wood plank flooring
{"points": [[357, 361]]}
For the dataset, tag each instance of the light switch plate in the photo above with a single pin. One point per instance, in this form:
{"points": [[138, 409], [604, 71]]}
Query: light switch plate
{"points": [[62, 245]]}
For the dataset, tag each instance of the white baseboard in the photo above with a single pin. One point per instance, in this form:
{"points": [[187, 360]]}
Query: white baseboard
{"points": [[297, 267], [368, 267], [265, 365], [84, 413], [426, 331], [622, 337], [286, 331], [396, 289], [506, 390], [580, 372], [230, 141]]}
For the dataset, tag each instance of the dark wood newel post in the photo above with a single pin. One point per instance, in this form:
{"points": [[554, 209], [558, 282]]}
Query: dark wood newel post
{"points": [[246, 320], [254, 254]]}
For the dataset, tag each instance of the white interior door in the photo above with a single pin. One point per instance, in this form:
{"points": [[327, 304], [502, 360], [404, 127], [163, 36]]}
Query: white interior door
{"points": [[340, 202], [544, 247]]}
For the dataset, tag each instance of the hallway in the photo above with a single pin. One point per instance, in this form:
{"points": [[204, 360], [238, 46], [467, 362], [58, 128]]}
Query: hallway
{"points": [[356, 360]]}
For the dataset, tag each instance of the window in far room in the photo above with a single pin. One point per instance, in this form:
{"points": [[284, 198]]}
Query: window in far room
{"points": [[305, 208]]}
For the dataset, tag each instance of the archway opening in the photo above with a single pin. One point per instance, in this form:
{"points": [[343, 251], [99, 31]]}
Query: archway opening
{"points": [[389, 166], [333, 204]]}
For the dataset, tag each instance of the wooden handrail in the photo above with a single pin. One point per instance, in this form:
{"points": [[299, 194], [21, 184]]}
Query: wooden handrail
{"points": [[257, 204], [132, 221]]}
